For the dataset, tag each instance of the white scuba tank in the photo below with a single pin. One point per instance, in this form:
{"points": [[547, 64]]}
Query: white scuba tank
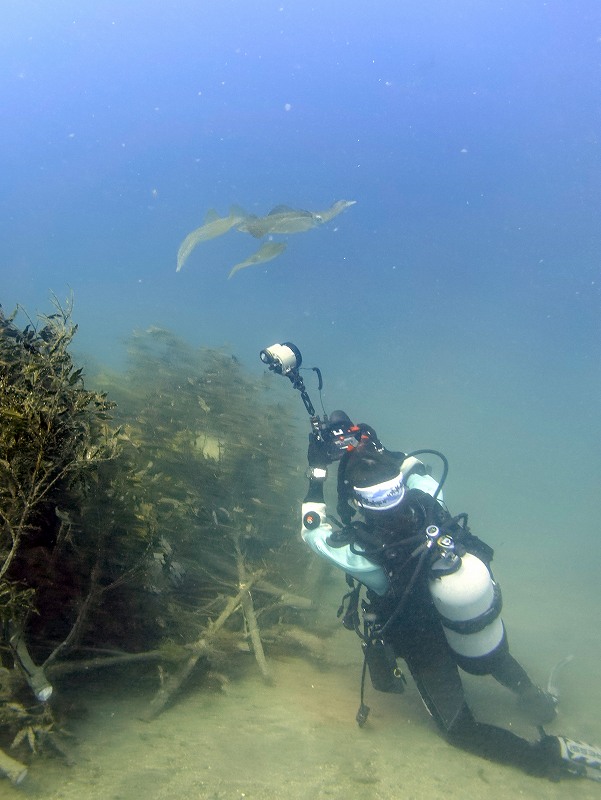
{"points": [[469, 603]]}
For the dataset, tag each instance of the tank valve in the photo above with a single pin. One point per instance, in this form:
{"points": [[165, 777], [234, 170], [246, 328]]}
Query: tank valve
{"points": [[448, 561], [432, 532]]}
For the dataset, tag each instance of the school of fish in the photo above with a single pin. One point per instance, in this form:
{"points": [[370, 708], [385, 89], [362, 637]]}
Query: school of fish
{"points": [[280, 220]]}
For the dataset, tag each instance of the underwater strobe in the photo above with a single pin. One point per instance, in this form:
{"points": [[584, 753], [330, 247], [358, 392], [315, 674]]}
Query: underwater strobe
{"points": [[337, 433], [285, 359], [282, 358]]}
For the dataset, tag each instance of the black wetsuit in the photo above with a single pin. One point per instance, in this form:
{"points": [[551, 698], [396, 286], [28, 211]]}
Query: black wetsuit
{"points": [[416, 635], [418, 638]]}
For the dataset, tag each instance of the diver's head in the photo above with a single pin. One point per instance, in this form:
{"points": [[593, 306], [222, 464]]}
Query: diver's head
{"points": [[373, 479]]}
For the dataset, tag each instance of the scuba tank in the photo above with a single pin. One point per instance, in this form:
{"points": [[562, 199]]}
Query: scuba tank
{"points": [[467, 599]]}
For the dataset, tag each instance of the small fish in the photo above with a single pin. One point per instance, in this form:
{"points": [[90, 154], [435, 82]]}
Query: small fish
{"points": [[213, 226], [266, 252]]}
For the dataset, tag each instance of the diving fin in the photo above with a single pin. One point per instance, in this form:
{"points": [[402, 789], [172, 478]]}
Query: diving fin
{"points": [[580, 758], [552, 686]]}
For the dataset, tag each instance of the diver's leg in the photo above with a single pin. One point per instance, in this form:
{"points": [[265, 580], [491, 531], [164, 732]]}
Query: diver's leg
{"points": [[498, 744], [436, 676], [433, 668], [539, 705]]}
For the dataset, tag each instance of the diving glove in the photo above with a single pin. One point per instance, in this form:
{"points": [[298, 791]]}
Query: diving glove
{"points": [[317, 454]]}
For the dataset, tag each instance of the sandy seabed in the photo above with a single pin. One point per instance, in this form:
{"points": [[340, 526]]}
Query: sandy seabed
{"points": [[295, 739], [298, 739]]}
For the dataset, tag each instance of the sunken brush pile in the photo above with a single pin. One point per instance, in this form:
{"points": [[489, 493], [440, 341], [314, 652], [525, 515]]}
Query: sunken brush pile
{"points": [[151, 523]]}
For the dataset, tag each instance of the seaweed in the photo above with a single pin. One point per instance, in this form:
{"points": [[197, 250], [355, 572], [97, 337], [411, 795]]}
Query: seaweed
{"points": [[54, 434], [136, 526]]}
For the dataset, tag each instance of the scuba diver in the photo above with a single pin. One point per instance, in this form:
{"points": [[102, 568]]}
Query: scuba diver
{"points": [[430, 597]]}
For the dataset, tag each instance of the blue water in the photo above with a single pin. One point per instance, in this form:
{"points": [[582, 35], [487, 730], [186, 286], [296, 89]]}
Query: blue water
{"points": [[457, 305]]}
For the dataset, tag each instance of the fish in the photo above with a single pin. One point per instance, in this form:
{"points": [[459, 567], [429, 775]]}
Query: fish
{"points": [[283, 219], [213, 226], [266, 252]]}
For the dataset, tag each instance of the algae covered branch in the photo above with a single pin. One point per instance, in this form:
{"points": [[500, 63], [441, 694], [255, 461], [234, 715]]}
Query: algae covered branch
{"points": [[149, 520]]}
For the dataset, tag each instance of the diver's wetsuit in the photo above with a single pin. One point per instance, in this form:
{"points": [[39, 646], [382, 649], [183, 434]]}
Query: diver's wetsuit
{"points": [[417, 636]]}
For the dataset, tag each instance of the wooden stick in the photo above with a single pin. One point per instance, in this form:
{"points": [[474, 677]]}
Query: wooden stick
{"points": [[80, 620], [199, 648], [67, 667], [172, 684], [255, 637], [248, 609], [13, 769], [286, 598]]}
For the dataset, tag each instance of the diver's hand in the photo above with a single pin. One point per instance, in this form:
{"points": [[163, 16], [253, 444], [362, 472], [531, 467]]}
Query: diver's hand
{"points": [[317, 454]]}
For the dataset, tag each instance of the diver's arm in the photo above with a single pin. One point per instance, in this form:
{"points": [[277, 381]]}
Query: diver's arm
{"points": [[316, 531]]}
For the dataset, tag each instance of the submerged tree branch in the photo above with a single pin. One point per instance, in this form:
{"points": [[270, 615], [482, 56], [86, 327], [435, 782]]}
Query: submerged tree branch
{"points": [[199, 648]]}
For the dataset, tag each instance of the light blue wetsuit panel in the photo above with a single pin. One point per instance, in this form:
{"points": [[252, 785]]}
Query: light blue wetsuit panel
{"points": [[365, 571]]}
